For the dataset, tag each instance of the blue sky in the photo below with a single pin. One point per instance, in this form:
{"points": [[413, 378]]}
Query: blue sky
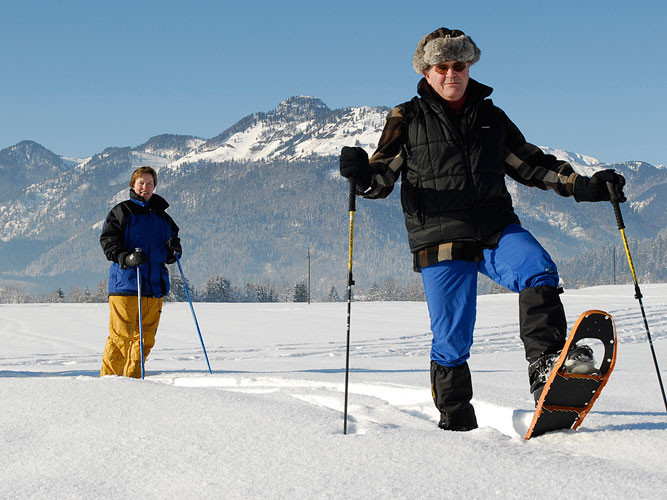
{"points": [[78, 76]]}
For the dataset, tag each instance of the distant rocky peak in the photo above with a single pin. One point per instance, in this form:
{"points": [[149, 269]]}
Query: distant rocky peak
{"points": [[26, 149], [31, 156], [582, 164], [167, 141], [25, 145], [301, 107], [170, 146], [635, 166]]}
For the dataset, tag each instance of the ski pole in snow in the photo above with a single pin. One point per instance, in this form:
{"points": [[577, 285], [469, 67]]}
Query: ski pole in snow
{"points": [[192, 309], [141, 326], [350, 282], [638, 293]]}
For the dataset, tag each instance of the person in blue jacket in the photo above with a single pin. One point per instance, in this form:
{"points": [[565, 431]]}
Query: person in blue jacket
{"points": [[137, 233]]}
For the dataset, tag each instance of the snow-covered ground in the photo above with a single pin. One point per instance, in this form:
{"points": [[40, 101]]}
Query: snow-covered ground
{"points": [[268, 422]]}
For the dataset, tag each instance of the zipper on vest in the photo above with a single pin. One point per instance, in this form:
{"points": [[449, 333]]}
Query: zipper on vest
{"points": [[421, 204], [466, 155]]}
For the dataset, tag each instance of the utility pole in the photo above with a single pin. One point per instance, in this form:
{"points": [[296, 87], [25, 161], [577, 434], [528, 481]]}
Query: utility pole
{"points": [[309, 275], [613, 259]]}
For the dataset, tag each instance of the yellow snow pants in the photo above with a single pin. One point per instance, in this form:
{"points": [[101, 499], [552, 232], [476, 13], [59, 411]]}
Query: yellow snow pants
{"points": [[122, 353]]}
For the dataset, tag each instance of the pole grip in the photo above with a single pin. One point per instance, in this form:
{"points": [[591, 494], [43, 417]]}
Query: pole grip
{"points": [[353, 195], [613, 197]]}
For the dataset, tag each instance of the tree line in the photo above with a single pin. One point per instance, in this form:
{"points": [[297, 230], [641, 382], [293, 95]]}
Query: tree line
{"points": [[215, 289], [604, 265], [221, 289]]}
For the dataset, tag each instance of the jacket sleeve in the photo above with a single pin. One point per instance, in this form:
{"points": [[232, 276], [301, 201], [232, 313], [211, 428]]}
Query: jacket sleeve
{"points": [[529, 165], [113, 234], [174, 231], [389, 157], [174, 227]]}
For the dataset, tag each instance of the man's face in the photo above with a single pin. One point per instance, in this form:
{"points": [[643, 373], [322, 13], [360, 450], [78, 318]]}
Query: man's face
{"points": [[144, 186], [449, 83]]}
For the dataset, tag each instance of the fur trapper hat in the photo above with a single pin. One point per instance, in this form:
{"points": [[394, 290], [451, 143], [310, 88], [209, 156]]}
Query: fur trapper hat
{"points": [[443, 45]]}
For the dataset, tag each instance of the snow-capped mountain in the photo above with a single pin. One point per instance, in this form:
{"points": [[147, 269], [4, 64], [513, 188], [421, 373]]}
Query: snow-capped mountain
{"points": [[299, 128], [169, 146], [252, 200], [582, 164], [28, 163]]}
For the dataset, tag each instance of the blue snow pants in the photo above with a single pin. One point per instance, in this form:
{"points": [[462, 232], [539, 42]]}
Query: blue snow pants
{"points": [[517, 262]]}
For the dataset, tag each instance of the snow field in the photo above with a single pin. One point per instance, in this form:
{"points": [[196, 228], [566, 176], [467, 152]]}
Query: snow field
{"points": [[268, 422]]}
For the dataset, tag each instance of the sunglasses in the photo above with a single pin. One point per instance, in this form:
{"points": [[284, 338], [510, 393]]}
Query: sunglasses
{"points": [[457, 66]]}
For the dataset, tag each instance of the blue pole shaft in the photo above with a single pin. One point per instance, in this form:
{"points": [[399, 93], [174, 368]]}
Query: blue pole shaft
{"points": [[141, 326], [192, 309]]}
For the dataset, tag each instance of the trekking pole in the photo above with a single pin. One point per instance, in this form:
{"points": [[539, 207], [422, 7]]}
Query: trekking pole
{"points": [[192, 309], [638, 293], [350, 282], [141, 326]]}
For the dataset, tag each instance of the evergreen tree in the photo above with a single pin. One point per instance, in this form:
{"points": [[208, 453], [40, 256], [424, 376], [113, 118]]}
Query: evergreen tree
{"points": [[102, 291], [333, 295], [300, 292], [77, 296], [12, 296], [266, 293], [391, 290], [177, 291], [286, 294], [415, 292], [54, 297], [218, 289], [373, 294], [73, 295]]}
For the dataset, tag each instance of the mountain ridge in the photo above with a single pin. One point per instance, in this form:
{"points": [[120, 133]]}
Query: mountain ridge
{"points": [[251, 201]]}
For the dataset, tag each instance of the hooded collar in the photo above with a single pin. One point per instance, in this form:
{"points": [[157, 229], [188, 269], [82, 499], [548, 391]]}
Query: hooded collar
{"points": [[156, 202], [475, 93]]}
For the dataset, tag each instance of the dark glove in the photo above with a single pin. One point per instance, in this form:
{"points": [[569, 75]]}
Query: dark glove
{"points": [[595, 188], [354, 165], [133, 259], [174, 249]]}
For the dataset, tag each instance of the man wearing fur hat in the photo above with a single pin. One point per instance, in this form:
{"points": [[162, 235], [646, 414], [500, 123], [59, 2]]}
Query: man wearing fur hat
{"points": [[452, 147]]}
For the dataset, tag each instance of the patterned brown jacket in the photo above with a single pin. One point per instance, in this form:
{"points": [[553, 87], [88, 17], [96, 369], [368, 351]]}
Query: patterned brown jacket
{"points": [[452, 170]]}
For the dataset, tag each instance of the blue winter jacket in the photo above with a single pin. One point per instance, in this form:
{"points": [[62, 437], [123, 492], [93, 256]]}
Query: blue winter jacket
{"points": [[136, 223]]}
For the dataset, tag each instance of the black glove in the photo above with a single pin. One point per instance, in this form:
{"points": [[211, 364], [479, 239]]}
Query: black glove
{"points": [[354, 165], [595, 188], [133, 259], [174, 248]]}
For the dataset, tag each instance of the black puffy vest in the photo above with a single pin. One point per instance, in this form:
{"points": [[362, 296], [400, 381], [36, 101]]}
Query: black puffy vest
{"points": [[453, 185]]}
